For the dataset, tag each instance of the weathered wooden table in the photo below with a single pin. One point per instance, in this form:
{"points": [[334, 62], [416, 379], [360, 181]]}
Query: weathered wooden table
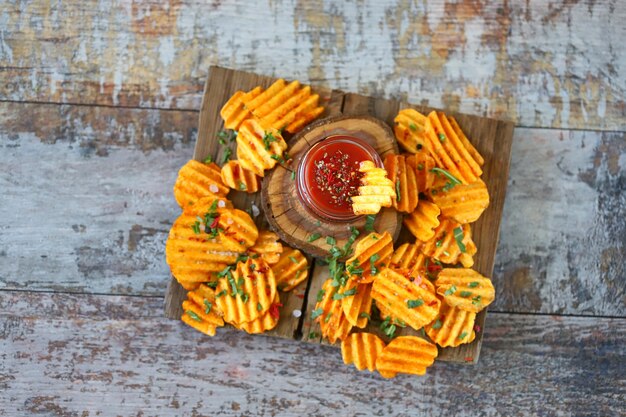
{"points": [[98, 110]]}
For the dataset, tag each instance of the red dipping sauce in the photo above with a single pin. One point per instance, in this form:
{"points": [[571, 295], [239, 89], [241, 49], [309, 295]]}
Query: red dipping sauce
{"points": [[328, 175]]}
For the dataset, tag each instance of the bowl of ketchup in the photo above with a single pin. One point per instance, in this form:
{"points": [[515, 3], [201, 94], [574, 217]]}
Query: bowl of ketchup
{"points": [[328, 176]]}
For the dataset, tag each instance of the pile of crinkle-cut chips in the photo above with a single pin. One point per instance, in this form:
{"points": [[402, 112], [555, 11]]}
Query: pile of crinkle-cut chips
{"points": [[234, 273]]}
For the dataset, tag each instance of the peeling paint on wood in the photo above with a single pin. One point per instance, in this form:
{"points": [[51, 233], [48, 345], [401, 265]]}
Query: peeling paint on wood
{"points": [[87, 205], [541, 64], [62, 354], [563, 236]]}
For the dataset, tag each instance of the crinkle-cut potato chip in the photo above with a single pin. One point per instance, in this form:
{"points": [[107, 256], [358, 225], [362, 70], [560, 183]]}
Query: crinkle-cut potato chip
{"points": [[204, 297], [267, 246], [463, 203], [245, 294], [446, 148], [465, 141], [200, 311], [445, 247], [197, 180], [406, 355], [200, 325], [266, 322], [409, 129], [193, 251], [361, 349], [465, 289], [422, 164], [333, 323], [422, 221], [291, 269], [376, 190], [403, 176], [452, 327], [287, 106], [371, 253], [234, 112], [238, 178], [259, 146], [415, 303], [357, 307], [406, 256]]}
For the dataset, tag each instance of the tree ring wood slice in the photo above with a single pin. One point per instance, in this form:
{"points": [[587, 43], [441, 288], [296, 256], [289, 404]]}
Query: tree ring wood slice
{"points": [[285, 212]]}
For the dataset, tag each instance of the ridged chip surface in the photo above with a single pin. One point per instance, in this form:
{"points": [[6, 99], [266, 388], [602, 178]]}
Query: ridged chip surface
{"points": [[422, 221], [376, 190], [463, 203], [409, 129], [444, 245], [361, 349], [357, 308], [192, 253], [407, 355], [259, 146], [239, 178], [414, 303], [465, 289], [247, 292], [452, 327], [291, 269], [333, 323], [234, 112], [197, 180], [266, 322], [422, 164], [371, 252], [403, 176], [267, 246]]}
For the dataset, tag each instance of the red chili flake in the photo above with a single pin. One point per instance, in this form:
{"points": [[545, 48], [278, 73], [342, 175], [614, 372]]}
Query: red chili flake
{"points": [[434, 268], [442, 317], [215, 222], [274, 311], [336, 177], [300, 296], [469, 359], [267, 291], [477, 328], [432, 303], [251, 276]]}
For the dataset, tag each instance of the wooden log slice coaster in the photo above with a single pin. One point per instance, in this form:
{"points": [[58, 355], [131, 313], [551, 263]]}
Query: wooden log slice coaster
{"points": [[288, 216]]}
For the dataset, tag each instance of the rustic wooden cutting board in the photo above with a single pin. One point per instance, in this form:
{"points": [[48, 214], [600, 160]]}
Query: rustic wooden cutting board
{"points": [[491, 137]]}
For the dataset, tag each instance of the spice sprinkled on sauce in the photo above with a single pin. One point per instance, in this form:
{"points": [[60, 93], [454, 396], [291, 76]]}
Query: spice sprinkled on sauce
{"points": [[337, 176]]}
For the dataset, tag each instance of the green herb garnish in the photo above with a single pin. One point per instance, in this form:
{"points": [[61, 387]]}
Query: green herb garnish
{"points": [[451, 177], [412, 126], [320, 295], [268, 138], [259, 307], [316, 313], [369, 222], [347, 293], [473, 284], [450, 290], [465, 293], [414, 303], [208, 159], [207, 307], [227, 153], [193, 315], [313, 237], [398, 196], [462, 335], [437, 324]]}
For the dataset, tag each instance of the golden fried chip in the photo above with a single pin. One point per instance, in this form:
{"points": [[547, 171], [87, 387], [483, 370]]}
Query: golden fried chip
{"points": [[194, 310], [370, 253], [448, 151], [206, 238], [409, 128], [328, 312], [452, 243], [376, 190], [357, 306], [407, 355], [403, 176], [409, 257], [463, 203], [235, 112], [291, 269], [204, 298], [465, 289], [414, 303], [453, 327], [238, 178], [423, 220], [245, 294], [197, 180], [361, 349], [198, 324], [291, 108], [267, 321], [267, 246], [465, 141], [259, 146], [422, 164]]}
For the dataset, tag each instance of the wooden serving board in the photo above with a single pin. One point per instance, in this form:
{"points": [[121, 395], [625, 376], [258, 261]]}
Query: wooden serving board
{"points": [[491, 137]]}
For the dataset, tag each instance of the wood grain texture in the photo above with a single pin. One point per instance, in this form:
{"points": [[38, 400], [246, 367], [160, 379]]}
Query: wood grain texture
{"points": [[75, 355], [557, 64], [105, 177]]}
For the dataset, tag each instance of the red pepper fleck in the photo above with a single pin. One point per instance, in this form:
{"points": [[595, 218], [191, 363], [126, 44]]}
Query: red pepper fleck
{"points": [[477, 328], [300, 296], [434, 268], [432, 303], [335, 176], [469, 359], [215, 222], [267, 291], [274, 311]]}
